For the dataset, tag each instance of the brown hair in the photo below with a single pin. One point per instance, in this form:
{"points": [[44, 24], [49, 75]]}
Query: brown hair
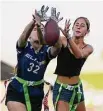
{"points": [[86, 20]]}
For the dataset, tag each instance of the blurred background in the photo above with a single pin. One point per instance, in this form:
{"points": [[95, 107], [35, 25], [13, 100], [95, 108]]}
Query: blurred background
{"points": [[15, 15]]}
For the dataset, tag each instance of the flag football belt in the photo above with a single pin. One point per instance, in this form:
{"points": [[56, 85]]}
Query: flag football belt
{"points": [[25, 84], [71, 88]]}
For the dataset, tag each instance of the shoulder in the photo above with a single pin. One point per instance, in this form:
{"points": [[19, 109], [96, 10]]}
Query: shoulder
{"points": [[18, 47], [45, 48], [89, 48], [28, 45]]}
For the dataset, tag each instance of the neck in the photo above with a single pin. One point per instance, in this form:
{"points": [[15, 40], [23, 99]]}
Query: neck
{"points": [[37, 48], [79, 40]]}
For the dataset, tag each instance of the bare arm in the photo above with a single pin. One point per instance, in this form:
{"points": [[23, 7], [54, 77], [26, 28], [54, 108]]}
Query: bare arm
{"points": [[25, 35], [56, 48], [80, 53], [40, 36]]}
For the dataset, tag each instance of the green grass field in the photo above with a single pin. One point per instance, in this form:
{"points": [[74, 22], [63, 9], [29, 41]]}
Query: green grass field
{"points": [[94, 79]]}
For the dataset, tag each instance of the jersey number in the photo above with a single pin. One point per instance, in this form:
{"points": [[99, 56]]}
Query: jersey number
{"points": [[31, 68]]}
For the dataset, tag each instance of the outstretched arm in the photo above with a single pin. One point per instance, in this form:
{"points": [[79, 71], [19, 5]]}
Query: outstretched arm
{"points": [[37, 18], [40, 36], [25, 34], [78, 53], [56, 48], [41, 16]]}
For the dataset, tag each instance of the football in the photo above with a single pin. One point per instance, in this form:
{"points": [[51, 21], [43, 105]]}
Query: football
{"points": [[52, 32]]}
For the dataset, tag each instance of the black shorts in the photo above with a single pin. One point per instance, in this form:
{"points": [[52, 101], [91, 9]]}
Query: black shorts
{"points": [[13, 95]]}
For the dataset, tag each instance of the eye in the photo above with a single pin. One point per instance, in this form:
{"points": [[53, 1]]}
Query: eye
{"points": [[83, 25], [76, 25]]}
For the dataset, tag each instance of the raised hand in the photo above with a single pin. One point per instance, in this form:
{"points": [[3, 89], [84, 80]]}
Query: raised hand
{"points": [[55, 16], [66, 29], [42, 13], [36, 18]]}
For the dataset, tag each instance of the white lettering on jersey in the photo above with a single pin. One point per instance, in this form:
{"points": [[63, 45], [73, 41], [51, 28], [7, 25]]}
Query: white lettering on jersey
{"points": [[31, 57], [31, 68]]}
